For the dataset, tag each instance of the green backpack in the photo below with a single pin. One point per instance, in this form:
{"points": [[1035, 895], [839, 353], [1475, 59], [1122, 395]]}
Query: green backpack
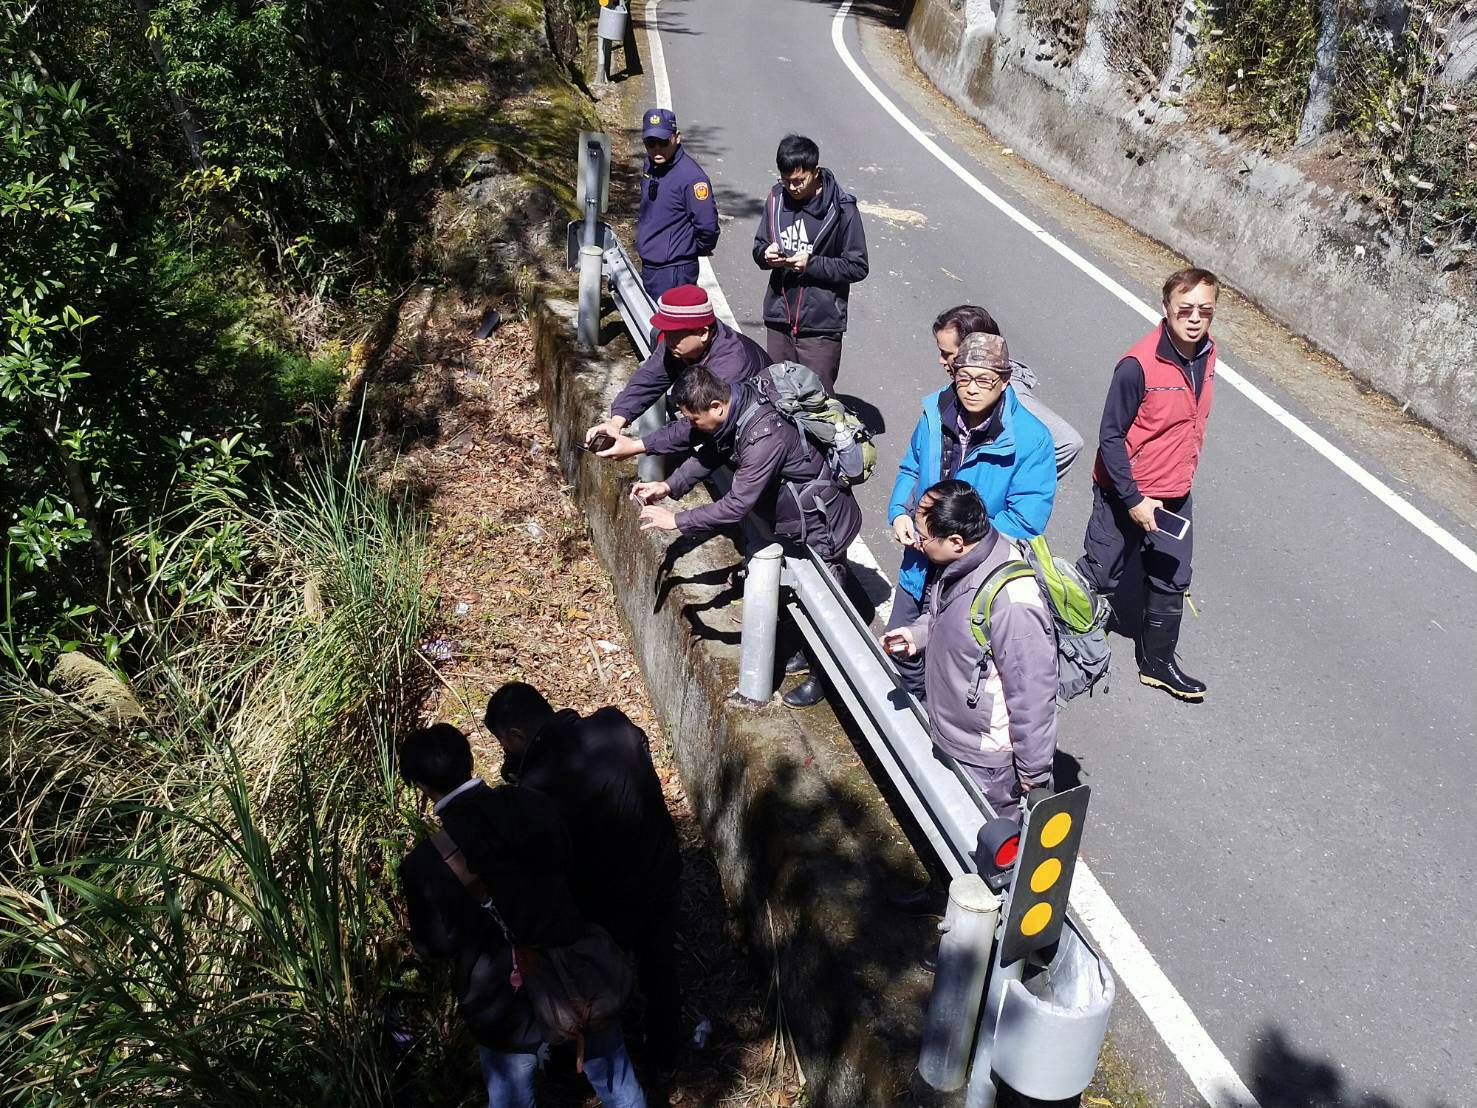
{"points": [[798, 395], [1078, 613]]}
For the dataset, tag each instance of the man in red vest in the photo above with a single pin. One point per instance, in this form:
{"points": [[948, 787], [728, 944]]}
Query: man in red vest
{"points": [[1149, 442]]}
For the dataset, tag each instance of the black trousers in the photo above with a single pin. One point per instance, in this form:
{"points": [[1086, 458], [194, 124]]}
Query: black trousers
{"points": [[1112, 537], [819, 353], [656, 972]]}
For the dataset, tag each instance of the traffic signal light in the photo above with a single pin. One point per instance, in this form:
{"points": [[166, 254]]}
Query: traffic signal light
{"points": [[994, 858], [1043, 873]]}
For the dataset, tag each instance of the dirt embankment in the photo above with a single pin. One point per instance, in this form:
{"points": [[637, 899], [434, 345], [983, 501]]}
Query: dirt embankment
{"points": [[456, 425]]}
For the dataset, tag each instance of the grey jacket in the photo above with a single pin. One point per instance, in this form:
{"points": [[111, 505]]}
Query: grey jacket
{"points": [[1014, 719], [778, 474]]}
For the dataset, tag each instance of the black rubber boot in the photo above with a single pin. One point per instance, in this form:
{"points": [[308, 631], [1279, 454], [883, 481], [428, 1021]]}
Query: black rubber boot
{"points": [[807, 694], [1158, 667], [797, 663], [927, 901]]}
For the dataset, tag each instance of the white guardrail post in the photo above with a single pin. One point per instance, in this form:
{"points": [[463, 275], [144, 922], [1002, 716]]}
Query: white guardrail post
{"points": [[761, 620], [958, 982], [611, 29]]}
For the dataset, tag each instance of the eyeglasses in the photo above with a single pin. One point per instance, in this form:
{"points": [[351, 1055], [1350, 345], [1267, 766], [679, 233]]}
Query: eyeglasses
{"points": [[798, 182], [984, 382], [1188, 311]]}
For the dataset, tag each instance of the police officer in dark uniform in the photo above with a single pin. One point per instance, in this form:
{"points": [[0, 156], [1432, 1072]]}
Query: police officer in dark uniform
{"points": [[678, 222]]}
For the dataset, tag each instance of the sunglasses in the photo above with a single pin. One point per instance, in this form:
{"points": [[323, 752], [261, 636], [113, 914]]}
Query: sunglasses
{"points": [[1187, 311]]}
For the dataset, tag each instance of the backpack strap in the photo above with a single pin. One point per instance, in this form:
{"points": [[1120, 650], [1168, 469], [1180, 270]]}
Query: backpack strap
{"points": [[456, 861], [979, 614]]}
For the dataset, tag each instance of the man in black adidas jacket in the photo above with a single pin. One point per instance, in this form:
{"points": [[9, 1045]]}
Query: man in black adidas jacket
{"points": [[515, 841], [597, 769], [811, 240]]}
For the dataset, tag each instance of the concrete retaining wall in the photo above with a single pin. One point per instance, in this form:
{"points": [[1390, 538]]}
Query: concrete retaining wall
{"points": [[804, 843], [1306, 253]]}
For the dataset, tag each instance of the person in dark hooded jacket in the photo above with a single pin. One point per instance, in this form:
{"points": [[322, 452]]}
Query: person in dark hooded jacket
{"points": [[515, 841], [626, 865], [811, 240], [778, 474]]}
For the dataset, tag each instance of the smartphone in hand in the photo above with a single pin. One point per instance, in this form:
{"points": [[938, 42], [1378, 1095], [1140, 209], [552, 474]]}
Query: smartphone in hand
{"points": [[1172, 524], [601, 441]]}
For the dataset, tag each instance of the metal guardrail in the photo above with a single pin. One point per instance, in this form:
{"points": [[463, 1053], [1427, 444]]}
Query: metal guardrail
{"points": [[1043, 1035]]}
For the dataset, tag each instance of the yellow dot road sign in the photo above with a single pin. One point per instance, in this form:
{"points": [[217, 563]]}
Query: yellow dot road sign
{"points": [[1043, 873]]}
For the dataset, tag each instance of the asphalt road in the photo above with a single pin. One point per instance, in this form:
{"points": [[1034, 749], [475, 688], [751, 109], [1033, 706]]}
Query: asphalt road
{"points": [[1297, 852]]}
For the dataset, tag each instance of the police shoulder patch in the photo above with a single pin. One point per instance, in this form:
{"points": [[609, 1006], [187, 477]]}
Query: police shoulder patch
{"points": [[700, 190]]}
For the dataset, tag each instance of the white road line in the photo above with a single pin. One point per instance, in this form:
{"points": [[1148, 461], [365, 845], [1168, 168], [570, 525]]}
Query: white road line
{"points": [[1204, 1064], [1368, 481], [658, 59], [1207, 1068]]}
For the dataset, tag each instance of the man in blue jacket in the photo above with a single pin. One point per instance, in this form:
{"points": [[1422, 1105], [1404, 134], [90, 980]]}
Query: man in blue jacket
{"points": [[678, 220], [976, 430], [810, 238]]}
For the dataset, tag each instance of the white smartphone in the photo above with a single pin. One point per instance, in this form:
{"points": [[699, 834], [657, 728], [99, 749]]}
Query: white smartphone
{"points": [[1172, 524]]}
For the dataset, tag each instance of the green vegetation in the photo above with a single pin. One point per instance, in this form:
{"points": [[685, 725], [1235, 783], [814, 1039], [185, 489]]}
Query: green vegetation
{"points": [[182, 184], [211, 619], [1256, 65], [1413, 135], [194, 861]]}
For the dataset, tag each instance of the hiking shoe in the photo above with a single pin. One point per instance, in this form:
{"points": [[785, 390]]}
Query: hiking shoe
{"points": [[807, 694]]}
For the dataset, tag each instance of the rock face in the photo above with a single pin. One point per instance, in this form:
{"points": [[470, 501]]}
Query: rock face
{"points": [[1310, 253]]}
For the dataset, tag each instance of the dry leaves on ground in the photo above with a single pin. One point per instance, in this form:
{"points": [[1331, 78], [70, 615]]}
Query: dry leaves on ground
{"points": [[523, 597]]}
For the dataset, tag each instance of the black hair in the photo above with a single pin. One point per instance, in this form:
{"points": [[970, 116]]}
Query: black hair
{"points": [[796, 152], [954, 508], [966, 319], [1183, 280], [697, 388], [438, 757], [519, 705]]}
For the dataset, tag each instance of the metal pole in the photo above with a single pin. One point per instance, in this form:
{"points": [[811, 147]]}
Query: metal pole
{"points": [[982, 1091], [603, 50], [761, 616], [651, 467], [589, 311], [590, 252], [959, 982]]}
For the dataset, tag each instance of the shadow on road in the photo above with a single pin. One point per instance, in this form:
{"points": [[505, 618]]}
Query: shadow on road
{"points": [[1282, 1076]]}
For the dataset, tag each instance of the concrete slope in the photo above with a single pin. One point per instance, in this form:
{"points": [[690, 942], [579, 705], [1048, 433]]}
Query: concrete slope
{"points": [[1297, 853]]}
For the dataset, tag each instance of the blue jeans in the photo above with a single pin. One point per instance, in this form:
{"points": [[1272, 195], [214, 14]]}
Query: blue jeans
{"points": [[509, 1074]]}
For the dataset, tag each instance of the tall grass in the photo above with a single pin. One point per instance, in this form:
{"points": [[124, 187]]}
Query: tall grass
{"points": [[192, 895]]}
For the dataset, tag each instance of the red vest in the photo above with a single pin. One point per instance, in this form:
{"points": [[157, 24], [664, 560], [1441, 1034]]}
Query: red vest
{"points": [[1165, 438]]}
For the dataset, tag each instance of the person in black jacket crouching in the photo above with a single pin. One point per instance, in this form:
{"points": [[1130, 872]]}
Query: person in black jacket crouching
{"points": [[627, 865], [516, 842]]}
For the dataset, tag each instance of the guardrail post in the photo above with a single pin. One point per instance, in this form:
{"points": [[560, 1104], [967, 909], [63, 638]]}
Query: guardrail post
{"points": [[611, 29], [590, 248], [958, 982], [761, 618], [651, 467], [982, 1091], [589, 302]]}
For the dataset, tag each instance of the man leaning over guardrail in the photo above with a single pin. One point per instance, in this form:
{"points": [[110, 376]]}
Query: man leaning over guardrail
{"points": [[691, 334], [991, 708], [779, 474]]}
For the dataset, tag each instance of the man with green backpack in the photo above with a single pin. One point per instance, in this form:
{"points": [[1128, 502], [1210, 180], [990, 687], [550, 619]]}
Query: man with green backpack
{"points": [[989, 646]]}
